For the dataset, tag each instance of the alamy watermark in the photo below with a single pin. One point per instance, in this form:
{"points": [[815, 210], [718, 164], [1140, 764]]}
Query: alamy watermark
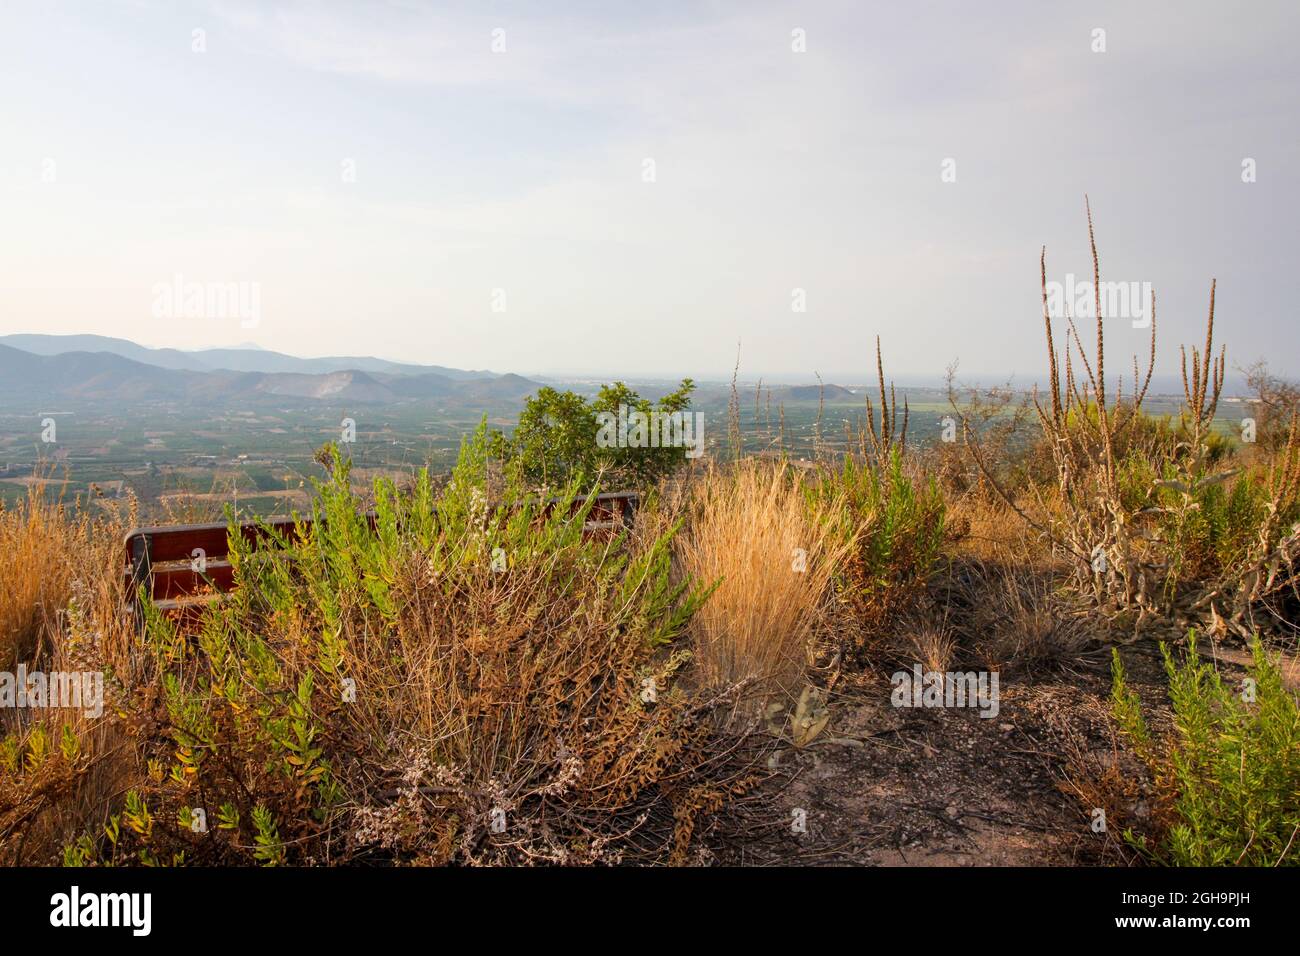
{"points": [[179, 299], [1119, 300], [133, 911], [75, 690], [921, 688], [632, 428]]}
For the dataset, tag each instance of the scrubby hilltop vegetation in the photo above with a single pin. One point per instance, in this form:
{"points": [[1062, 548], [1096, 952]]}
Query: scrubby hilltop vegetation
{"points": [[469, 679]]}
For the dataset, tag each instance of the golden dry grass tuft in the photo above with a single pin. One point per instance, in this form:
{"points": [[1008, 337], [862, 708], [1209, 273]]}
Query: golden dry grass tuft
{"points": [[61, 610], [932, 647], [752, 533], [53, 552]]}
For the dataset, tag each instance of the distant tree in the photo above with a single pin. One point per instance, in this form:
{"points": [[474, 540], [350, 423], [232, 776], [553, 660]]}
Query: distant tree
{"points": [[555, 438], [1275, 402], [562, 435]]}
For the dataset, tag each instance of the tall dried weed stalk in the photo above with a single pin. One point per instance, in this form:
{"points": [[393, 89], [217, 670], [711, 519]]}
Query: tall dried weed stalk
{"points": [[1142, 511]]}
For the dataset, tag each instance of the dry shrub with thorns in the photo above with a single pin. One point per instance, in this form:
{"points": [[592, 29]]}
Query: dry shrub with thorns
{"points": [[1082, 428], [1276, 403], [998, 417]]}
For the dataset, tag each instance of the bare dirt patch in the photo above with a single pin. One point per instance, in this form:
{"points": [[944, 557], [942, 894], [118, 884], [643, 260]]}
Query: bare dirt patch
{"points": [[890, 786]]}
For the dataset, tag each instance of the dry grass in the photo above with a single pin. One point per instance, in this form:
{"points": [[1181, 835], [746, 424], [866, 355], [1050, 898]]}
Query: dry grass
{"points": [[53, 552], [1024, 625], [60, 610], [984, 527], [1001, 592], [932, 646], [752, 532], [35, 577]]}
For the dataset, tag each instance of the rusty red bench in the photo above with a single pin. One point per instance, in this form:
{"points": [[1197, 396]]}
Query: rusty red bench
{"points": [[183, 565]]}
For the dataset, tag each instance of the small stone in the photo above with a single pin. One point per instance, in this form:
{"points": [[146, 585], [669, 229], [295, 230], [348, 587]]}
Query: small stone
{"points": [[1006, 728]]}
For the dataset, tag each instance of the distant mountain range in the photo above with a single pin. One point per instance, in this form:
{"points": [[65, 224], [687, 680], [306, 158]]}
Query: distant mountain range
{"points": [[251, 359], [44, 368]]}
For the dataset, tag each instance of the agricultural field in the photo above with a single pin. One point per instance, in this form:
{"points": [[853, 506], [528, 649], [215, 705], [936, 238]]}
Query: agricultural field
{"points": [[262, 461]]}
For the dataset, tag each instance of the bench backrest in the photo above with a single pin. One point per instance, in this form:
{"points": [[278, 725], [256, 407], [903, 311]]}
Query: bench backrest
{"points": [[184, 564]]}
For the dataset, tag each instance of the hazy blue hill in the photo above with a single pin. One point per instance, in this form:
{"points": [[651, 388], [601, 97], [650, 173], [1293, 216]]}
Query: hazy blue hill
{"points": [[264, 360], [99, 376], [503, 387], [428, 385], [243, 359], [813, 393], [106, 377], [61, 344]]}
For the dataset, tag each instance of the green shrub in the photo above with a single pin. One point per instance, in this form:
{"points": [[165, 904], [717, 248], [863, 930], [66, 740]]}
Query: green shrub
{"points": [[1154, 437], [1227, 776], [1210, 529], [383, 690], [1204, 523], [895, 523]]}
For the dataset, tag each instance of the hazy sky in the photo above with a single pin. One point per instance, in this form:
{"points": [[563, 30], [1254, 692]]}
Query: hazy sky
{"points": [[379, 171]]}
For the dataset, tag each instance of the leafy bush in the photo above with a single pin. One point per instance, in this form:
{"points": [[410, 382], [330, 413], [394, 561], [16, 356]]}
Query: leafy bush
{"points": [[1215, 531], [556, 440], [452, 681], [1152, 437], [893, 525], [1209, 529], [1227, 777]]}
